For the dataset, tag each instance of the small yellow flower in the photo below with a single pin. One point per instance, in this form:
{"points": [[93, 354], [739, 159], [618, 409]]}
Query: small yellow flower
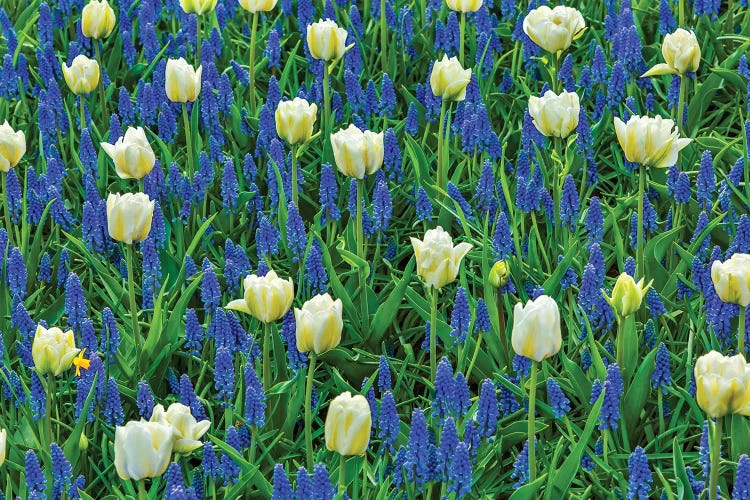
{"points": [[80, 362]]}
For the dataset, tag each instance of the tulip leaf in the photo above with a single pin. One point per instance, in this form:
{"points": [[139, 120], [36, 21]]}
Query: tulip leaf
{"points": [[387, 311], [638, 392], [250, 472], [72, 446], [740, 434], [529, 491], [684, 490]]}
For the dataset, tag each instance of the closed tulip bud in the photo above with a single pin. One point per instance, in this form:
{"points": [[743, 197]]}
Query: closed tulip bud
{"points": [[83, 442], [187, 431], [732, 279], [555, 115], [129, 216], [82, 76], [536, 328], [319, 324], [325, 40], [681, 53], [722, 384], [97, 19], [464, 5], [627, 295], [258, 5], [53, 350], [3, 445], [449, 79], [650, 142], [553, 29], [267, 298], [348, 425], [181, 82], [197, 6], [437, 259], [132, 154], [356, 152], [142, 449], [499, 274], [295, 120], [12, 147]]}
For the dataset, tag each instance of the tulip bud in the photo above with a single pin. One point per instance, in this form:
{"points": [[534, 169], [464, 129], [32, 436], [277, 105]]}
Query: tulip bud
{"points": [[437, 259], [12, 147], [553, 29], [326, 41], [722, 384], [357, 153], [53, 350], [187, 431], [295, 120], [555, 115], [82, 76], [181, 82], [97, 19], [197, 7], [650, 142], [449, 79], [3, 445], [83, 442], [536, 328], [627, 295], [348, 425], [142, 449], [319, 324], [499, 274], [732, 279], [464, 5], [129, 216], [681, 53], [267, 298], [132, 154], [258, 5]]}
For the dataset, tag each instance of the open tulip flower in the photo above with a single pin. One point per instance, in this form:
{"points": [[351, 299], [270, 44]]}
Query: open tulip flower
{"points": [[553, 29], [681, 53], [267, 298]]}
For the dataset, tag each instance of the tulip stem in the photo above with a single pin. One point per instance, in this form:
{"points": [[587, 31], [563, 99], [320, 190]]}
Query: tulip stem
{"points": [[141, 489], [441, 181], [532, 424], [681, 104], [188, 140], [361, 255], [266, 356], [133, 307], [433, 332], [641, 272], [6, 209], [101, 84], [715, 459], [83, 111], [461, 34], [49, 405], [741, 331], [251, 66], [326, 110], [308, 409], [295, 189], [342, 461], [383, 40]]}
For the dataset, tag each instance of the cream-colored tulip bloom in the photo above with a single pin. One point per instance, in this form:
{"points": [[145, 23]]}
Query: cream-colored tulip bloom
{"points": [[732, 279], [627, 295], [97, 19], [142, 449], [722, 384], [129, 216], [553, 29], [681, 53], [449, 79], [267, 298], [326, 40], [555, 115], [197, 6], [181, 82], [187, 431], [3, 445], [82, 76], [438, 260], [53, 350], [295, 120], [132, 154], [12, 146], [650, 142], [319, 324], [356, 152], [258, 5], [348, 425], [536, 328], [464, 5]]}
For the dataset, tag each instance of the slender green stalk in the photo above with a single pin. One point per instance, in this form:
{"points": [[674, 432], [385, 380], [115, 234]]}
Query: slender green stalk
{"points": [[82, 105], [620, 341], [474, 356], [383, 38], [681, 103], [361, 254], [198, 38], [441, 181], [141, 489], [295, 189], [251, 66], [461, 36], [741, 331], [308, 410], [532, 425], [6, 208], [641, 265], [188, 139], [433, 332], [101, 84], [326, 126], [715, 459], [342, 463], [51, 391], [266, 356], [133, 307]]}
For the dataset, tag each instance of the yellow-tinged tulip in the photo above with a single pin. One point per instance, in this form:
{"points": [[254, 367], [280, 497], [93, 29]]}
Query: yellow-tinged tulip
{"points": [[142, 449], [3, 445], [553, 29], [181, 82], [732, 279], [464, 5], [82, 76], [132, 154], [722, 384], [499, 274], [536, 328], [187, 431], [295, 120], [267, 298], [197, 6], [650, 142], [258, 5], [53, 350], [627, 295], [348, 424], [449, 79], [356, 152], [319, 324], [325, 40], [97, 19], [12, 146], [129, 216], [681, 53], [555, 115], [437, 259]]}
